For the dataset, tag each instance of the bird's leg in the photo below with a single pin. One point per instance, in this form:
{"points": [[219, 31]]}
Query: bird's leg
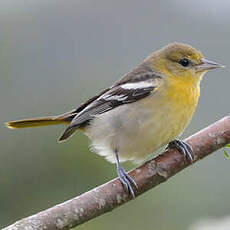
{"points": [[124, 177], [182, 147]]}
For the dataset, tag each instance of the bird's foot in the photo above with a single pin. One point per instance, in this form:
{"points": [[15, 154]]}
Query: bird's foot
{"points": [[183, 148], [126, 180]]}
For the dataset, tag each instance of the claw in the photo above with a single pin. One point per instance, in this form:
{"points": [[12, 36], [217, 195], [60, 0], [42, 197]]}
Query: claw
{"points": [[126, 180], [182, 147]]}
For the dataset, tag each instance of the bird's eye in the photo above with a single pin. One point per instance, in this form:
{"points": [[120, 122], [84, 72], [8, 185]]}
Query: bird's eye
{"points": [[184, 62]]}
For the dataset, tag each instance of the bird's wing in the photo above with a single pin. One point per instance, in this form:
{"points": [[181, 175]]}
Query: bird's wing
{"points": [[123, 92]]}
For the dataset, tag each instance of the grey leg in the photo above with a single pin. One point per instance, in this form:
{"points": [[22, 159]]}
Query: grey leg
{"points": [[124, 177]]}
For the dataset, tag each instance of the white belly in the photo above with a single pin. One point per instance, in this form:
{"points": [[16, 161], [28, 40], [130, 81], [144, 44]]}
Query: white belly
{"points": [[136, 131]]}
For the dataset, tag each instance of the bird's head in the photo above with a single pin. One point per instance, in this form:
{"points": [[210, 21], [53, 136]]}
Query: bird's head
{"points": [[179, 60]]}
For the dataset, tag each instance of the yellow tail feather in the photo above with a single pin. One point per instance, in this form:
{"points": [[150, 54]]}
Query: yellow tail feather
{"points": [[36, 122]]}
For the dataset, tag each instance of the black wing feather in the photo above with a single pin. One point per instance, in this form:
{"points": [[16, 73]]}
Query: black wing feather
{"points": [[109, 99]]}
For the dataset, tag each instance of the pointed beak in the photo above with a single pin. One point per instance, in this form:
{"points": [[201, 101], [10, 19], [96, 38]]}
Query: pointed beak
{"points": [[207, 65]]}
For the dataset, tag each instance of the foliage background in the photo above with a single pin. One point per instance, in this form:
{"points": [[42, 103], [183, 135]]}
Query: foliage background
{"points": [[56, 54]]}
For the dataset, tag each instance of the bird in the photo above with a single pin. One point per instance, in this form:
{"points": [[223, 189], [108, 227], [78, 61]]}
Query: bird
{"points": [[148, 108]]}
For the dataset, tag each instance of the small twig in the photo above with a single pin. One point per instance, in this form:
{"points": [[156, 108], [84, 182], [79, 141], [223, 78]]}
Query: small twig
{"points": [[111, 195]]}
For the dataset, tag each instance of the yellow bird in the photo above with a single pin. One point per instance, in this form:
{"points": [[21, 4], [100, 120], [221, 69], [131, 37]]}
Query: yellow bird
{"points": [[146, 109]]}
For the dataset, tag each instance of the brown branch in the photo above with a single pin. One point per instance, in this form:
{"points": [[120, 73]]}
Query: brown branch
{"points": [[111, 195]]}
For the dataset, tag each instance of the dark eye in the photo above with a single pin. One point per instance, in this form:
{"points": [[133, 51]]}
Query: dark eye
{"points": [[184, 62]]}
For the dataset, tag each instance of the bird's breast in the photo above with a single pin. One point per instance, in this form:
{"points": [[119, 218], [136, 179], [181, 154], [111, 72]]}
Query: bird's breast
{"points": [[182, 97]]}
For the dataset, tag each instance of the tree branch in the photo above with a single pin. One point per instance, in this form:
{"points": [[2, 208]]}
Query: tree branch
{"points": [[111, 195]]}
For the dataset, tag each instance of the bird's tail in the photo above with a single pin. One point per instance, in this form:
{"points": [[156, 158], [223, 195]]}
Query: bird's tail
{"points": [[40, 121]]}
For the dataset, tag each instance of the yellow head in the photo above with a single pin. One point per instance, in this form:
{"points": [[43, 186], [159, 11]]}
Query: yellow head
{"points": [[181, 61]]}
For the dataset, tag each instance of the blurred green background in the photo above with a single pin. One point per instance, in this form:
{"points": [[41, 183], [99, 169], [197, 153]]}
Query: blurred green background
{"points": [[56, 54]]}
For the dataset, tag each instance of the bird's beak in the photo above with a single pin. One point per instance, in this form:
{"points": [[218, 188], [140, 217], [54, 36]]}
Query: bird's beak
{"points": [[207, 65]]}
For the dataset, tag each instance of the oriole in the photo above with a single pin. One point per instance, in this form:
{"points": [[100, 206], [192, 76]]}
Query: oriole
{"points": [[146, 109]]}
